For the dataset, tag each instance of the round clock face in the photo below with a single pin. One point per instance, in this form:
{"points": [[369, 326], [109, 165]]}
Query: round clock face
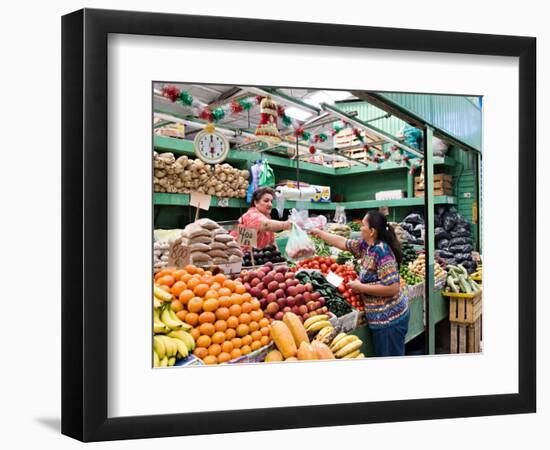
{"points": [[212, 148]]}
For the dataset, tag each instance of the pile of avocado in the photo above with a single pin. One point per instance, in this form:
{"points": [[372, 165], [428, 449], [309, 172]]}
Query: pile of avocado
{"points": [[269, 253]]}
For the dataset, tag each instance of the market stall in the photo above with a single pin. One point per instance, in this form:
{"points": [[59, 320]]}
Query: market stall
{"points": [[228, 301]]}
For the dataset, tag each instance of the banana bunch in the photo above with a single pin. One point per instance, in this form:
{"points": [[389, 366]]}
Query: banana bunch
{"points": [[167, 348], [478, 273], [160, 296], [165, 320], [325, 335], [316, 323], [346, 346]]}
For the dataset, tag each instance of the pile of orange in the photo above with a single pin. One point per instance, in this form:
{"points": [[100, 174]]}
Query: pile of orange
{"points": [[227, 321]]}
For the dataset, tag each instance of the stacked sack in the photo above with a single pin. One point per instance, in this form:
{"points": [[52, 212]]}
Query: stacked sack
{"points": [[453, 238], [413, 227], [207, 244]]}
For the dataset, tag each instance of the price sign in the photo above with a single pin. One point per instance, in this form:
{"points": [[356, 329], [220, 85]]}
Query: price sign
{"points": [[199, 200], [178, 255], [248, 237], [334, 279]]}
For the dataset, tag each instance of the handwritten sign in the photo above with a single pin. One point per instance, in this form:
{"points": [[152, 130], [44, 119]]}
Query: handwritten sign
{"points": [[248, 237], [200, 200], [178, 255], [334, 279]]}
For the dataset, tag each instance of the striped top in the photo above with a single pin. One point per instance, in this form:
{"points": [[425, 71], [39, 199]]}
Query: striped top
{"points": [[378, 265]]}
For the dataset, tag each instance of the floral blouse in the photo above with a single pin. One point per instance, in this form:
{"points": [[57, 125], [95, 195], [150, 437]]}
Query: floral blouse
{"points": [[378, 265]]}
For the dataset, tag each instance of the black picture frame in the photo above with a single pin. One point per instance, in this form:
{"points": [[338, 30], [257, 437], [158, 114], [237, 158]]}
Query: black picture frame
{"points": [[84, 224]]}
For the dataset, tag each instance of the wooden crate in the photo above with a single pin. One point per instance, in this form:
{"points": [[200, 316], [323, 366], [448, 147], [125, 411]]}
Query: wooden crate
{"points": [[441, 180], [443, 185], [464, 308], [339, 164], [346, 138], [466, 338]]}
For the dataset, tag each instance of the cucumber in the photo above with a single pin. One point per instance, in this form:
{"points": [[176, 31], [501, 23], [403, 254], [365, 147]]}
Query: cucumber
{"points": [[452, 285], [475, 286], [464, 285]]}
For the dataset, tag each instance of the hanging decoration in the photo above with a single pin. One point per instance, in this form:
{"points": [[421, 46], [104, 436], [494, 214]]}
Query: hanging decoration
{"points": [[312, 149], [267, 127]]}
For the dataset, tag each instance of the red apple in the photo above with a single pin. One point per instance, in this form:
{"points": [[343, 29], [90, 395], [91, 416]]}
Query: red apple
{"points": [[273, 286], [272, 308], [302, 309], [279, 315], [290, 301]]}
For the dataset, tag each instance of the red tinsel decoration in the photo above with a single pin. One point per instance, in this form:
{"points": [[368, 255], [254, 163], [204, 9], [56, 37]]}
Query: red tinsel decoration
{"points": [[236, 108], [357, 132], [171, 92], [206, 114], [312, 149], [259, 99], [280, 111], [366, 147], [298, 132]]}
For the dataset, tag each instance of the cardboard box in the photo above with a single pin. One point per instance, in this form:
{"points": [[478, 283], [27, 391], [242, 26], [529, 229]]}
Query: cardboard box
{"points": [[390, 195]]}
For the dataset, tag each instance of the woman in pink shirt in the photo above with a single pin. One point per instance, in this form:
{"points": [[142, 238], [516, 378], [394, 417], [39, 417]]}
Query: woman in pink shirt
{"points": [[259, 217]]}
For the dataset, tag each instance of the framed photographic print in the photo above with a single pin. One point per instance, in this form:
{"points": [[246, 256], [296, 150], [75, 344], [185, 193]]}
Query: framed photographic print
{"points": [[300, 210]]}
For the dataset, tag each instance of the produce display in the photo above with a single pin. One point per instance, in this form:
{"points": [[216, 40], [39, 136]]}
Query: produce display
{"points": [[184, 175], [418, 269], [291, 337], [332, 298], [458, 280], [354, 226], [269, 253], [339, 229], [279, 291], [410, 278], [205, 243], [224, 320], [321, 247], [171, 340], [453, 238], [347, 272]]}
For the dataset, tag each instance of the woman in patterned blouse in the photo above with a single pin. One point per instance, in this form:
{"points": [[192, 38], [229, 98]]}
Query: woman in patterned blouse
{"points": [[386, 303]]}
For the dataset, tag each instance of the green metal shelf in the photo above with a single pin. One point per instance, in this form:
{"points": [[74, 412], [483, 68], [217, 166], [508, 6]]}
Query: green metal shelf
{"points": [[160, 198], [186, 147]]}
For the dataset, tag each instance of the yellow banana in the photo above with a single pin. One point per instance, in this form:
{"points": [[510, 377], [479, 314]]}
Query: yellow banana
{"points": [[185, 337], [161, 294], [164, 362], [171, 347], [360, 355], [168, 321], [311, 320], [156, 302], [316, 326], [172, 361], [349, 348], [323, 333], [184, 326], [158, 325], [159, 347], [351, 355], [343, 342], [336, 339], [182, 348], [156, 359]]}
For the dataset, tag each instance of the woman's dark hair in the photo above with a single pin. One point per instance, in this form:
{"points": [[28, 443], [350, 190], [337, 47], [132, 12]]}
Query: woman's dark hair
{"points": [[259, 193], [385, 232]]}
